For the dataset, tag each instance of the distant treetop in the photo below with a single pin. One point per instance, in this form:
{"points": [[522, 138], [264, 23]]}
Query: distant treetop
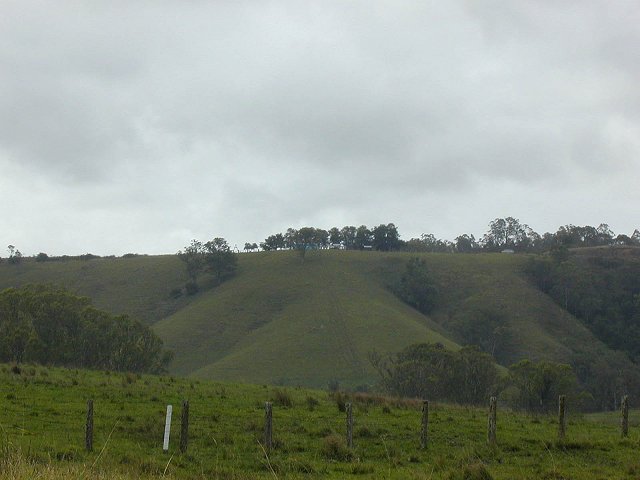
{"points": [[504, 234]]}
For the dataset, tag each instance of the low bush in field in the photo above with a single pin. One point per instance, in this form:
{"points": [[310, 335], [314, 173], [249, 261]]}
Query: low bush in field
{"points": [[472, 471], [282, 398], [334, 447]]}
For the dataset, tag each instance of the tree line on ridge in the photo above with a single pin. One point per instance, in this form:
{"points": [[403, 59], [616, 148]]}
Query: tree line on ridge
{"points": [[504, 233]]}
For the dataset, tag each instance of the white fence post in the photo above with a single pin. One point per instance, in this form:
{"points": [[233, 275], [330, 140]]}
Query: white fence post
{"points": [[167, 429]]}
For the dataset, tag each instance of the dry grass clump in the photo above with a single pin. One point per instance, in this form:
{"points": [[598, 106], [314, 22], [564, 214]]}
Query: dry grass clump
{"points": [[16, 466]]}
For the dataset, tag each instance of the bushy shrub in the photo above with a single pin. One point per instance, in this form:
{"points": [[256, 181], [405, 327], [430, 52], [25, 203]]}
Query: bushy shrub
{"points": [[312, 403], [472, 471], [282, 398], [191, 288], [334, 447]]}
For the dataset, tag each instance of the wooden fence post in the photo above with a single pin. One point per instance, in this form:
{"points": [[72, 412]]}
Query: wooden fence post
{"points": [[184, 426], [167, 429], [424, 431], [624, 423], [492, 423], [268, 426], [88, 433], [562, 421], [349, 411]]}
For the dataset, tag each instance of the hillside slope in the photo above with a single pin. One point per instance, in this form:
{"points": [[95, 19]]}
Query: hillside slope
{"points": [[139, 286], [284, 321], [281, 320]]}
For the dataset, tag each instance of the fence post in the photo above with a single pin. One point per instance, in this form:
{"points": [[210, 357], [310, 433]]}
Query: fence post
{"points": [[88, 434], [625, 416], [167, 429], [184, 426], [562, 422], [492, 423], [424, 431], [349, 411], [268, 426]]}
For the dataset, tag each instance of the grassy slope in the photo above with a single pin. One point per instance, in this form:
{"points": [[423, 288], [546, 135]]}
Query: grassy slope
{"points": [[540, 328], [42, 418], [139, 286], [284, 321], [280, 320]]}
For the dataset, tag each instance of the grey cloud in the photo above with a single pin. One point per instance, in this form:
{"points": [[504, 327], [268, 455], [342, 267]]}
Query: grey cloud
{"points": [[237, 119]]}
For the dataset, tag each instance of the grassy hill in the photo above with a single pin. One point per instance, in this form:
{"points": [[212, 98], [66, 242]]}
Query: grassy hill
{"points": [[43, 411], [284, 321], [139, 286]]}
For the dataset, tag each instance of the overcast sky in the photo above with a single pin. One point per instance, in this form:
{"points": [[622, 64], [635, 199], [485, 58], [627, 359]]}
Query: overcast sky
{"points": [[137, 126]]}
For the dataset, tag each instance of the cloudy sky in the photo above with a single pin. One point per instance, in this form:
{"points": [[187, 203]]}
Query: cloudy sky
{"points": [[137, 126]]}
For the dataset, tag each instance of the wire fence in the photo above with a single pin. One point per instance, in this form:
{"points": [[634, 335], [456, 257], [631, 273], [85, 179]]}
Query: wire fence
{"points": [[84, 424]]}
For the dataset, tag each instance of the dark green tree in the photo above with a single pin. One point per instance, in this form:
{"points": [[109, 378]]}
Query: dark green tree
{"points": [[429, 243], [417, 287], [466, 244], [348, 234], [485, 325], [335, 237], [385, 237], [273, 242], [50, 325], [434, 372], [477, 374], [214, 257], [218, 259], [15, 256], [509, 233], [362, 238], [538, 384], [193, 257]]}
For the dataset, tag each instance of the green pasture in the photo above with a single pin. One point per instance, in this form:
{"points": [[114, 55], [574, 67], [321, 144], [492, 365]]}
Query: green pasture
{"points": [[43, 411]]}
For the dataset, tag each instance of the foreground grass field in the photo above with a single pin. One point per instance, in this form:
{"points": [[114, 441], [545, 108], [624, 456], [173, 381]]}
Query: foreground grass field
{"points": [[43, 411]]}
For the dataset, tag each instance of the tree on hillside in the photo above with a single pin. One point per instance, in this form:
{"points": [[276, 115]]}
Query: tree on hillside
{"points": [[429, 243], [607, 379], [273, 242], [466, 244], [431, 371], [214, 257], [483, 324], [193, 257], [417, 287], [308, 238], [15, 256], [605, 234], [348, 234], [421, 370], [478, 375], [508, 233], [538, 384], [362, 238], [219, 260], [290, 238], [385, 237], [50, 325], [585, 236], [335, 237]]}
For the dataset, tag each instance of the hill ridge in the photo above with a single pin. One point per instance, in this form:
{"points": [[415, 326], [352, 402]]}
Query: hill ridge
{"points": [[288, 321]]}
